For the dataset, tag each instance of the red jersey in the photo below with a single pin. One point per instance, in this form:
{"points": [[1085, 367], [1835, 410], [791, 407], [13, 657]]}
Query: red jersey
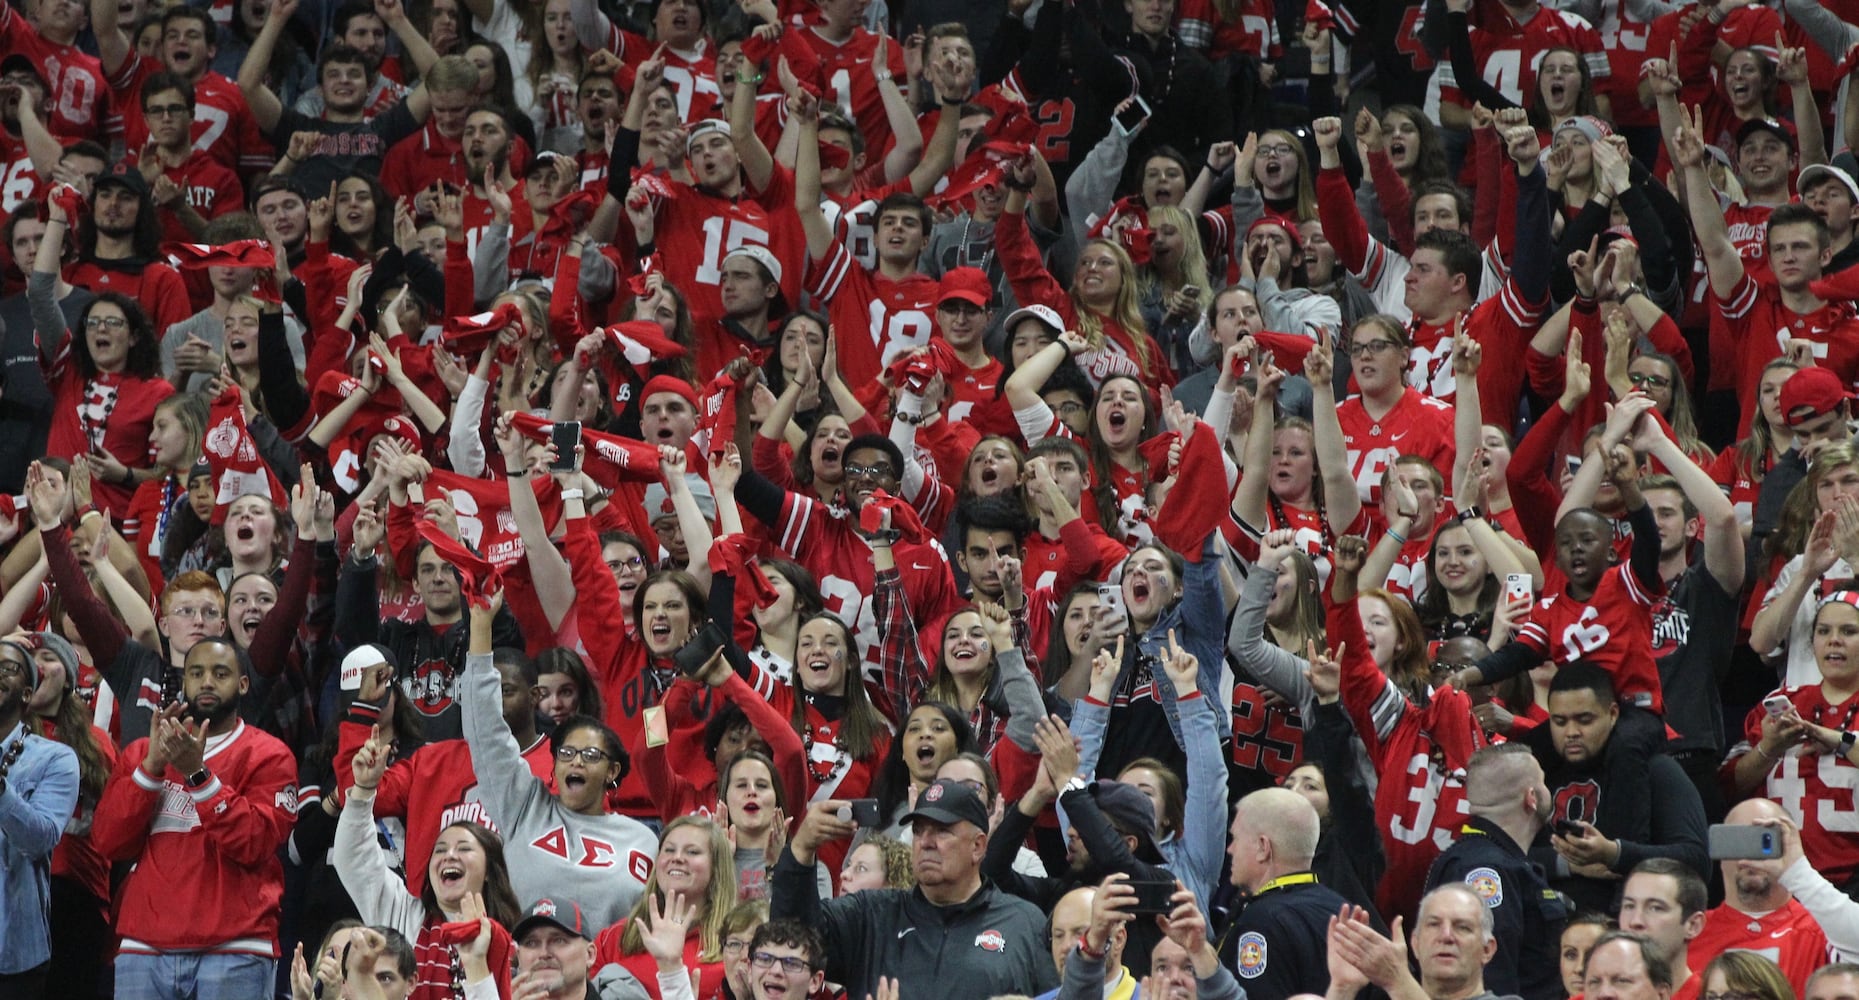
{"points": [[847, 68], [1508, 52], [691, 72], [707, 977], [1790, 937], [1420, 753], [1816, 788], [827, 545], [698, 228], [1762, 325], [975, 388], [1254, 32], [1045, 563], [414, 163], [430, 789], [78, 95], [19, 181], [1612, 630], [224, 128], [477, 212], [1417, 425], [1727, 471], [1625, 39], [1408, 576], [210, 853], [873, 316], [210, 187]]}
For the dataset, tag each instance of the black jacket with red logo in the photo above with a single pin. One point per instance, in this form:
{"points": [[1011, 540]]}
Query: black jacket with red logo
{"points": [[991, 944]]}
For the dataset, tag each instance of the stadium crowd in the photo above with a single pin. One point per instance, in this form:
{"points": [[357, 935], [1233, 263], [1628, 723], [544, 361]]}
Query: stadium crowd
{"points": [[775, 499]]}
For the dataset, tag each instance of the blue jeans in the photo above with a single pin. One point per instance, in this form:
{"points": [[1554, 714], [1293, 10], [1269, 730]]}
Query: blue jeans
{"points": [[193, 975]]}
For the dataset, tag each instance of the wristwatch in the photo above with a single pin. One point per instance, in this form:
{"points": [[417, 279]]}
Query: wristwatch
{"points": [[1076, 784], [1847, 740], [199, 778], [1471, 513]]}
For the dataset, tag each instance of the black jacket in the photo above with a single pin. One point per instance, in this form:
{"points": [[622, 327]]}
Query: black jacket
{"points": [[993, 943], [1528, 914], [1278, 945], [1110, 854]]}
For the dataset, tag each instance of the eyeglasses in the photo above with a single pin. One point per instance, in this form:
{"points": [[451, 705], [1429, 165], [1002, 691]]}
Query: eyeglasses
{"points": [[735, 947], [197, 614], [871, 471], [106, 323], [1644, 381], [588, 755], [790, 964], [164, 110], [1369, 347], [1276, 149], [12, 668], [1068, 408], [634, 563]]}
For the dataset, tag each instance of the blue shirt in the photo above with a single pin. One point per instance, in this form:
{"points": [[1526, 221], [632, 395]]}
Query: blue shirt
{"points": [[40, 795]]}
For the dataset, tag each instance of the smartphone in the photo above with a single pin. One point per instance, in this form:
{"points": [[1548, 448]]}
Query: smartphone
{"points": [[566, 436], [1776, 705], [1132, 118], [1518, 586], [699, 648], [1732, 842], [1568, 828], [1152, 897], [1110, 595], [863, 813]]}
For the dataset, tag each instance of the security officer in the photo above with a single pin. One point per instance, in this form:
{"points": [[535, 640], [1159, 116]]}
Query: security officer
{"points": [[1510, 804], [1276, 946]]}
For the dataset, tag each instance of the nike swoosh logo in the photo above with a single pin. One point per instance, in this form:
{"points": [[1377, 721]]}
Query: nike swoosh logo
{"points": [[919, 567], [900, 934]]}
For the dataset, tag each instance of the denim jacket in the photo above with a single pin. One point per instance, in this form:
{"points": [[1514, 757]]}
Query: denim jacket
{"points": [[1198, 618], [40, 796]]}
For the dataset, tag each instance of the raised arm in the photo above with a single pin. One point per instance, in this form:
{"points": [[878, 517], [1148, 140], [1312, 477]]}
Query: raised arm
{"points": [[548, 571], [1339, 487], [113, 45], [266, 108], [1725, 265], [805, 116]]}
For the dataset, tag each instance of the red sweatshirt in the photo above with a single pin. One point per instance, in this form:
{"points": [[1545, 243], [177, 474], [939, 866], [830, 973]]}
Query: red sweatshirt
{"points": [[207, 875]]}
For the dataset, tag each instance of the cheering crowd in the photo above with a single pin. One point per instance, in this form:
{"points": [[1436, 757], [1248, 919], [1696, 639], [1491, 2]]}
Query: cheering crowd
{"points": [[776, 499]]}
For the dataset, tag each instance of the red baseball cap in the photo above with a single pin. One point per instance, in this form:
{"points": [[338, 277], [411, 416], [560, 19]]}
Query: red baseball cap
{"points": [[1810, 393], [970, 284]]}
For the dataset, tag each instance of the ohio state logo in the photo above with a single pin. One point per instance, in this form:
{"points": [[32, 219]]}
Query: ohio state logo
{"points": [[991, 940], [430, 687]]}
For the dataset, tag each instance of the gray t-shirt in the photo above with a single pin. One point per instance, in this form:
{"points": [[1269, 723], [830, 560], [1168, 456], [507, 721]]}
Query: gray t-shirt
{"points": [[212, 329]]}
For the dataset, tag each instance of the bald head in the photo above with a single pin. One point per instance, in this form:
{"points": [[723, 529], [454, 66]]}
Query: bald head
{"points": [[1754, 885], [1748, 811], [1287, 820]]}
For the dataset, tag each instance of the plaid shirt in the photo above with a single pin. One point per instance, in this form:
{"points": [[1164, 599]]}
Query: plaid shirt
{"points": [[905, 677]]}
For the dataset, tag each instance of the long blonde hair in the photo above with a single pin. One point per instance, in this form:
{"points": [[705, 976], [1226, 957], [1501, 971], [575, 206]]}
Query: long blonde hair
{"points": [[1193, 266], [719, 897], [1126, 311]]}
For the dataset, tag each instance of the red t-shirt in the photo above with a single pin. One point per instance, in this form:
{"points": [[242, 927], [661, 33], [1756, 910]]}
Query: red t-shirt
{"points": [[211, 188], [414, 163], [1790, 937]]}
